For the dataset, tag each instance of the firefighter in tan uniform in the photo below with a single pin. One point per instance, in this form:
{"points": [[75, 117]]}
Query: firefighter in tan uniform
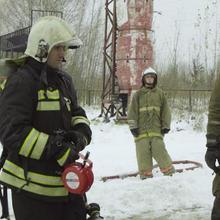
{"points": [[149, 119], [213, 146]]}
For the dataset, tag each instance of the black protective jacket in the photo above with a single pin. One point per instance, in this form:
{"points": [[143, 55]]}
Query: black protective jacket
{"points": [[37, 100]]}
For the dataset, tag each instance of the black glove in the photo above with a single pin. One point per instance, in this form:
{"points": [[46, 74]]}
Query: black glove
{"points": [[93, 210], [212, 155], [135, 132], [61, 150], [67, 155], [77, 138], [165, 130]]}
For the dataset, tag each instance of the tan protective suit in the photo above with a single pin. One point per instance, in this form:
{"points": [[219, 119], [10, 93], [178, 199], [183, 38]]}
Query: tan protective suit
{"points": [[149, 112]]}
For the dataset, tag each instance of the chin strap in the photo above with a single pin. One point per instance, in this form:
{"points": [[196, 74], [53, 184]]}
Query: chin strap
{"points": [[150, 86]]}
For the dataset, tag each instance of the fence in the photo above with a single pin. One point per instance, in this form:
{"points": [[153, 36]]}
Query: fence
{"points": [[182, 99], [191, 100], [89, 97]]}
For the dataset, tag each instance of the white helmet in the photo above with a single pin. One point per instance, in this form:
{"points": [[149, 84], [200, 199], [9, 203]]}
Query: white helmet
{"points": [[147, 71], [47, 32]]}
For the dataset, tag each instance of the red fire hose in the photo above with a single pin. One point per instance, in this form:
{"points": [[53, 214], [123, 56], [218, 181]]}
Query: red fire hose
{"points": [[180, 170]]}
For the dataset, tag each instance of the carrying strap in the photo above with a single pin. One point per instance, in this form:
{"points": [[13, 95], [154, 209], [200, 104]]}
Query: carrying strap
{"points": [[65, 101], [4, 202]]}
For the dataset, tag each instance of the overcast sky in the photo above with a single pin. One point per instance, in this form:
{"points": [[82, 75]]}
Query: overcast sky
{"points": [[194, 20]]}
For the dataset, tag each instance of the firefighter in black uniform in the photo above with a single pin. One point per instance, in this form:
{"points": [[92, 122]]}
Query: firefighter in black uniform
{"points": [[42, 128]]}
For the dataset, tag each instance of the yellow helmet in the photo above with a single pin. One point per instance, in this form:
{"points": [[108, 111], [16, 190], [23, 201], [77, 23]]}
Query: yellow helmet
{"points": [[47, 32]]}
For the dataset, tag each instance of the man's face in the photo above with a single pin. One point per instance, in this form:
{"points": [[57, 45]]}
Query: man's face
{"points": [[149, 79], [56, 56]]}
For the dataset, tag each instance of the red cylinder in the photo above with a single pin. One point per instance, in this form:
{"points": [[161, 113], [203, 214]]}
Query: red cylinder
{"points": [[78, 178]]}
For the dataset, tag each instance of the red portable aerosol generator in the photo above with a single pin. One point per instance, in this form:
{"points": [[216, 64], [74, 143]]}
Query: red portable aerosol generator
{"points": [[78, 177]]}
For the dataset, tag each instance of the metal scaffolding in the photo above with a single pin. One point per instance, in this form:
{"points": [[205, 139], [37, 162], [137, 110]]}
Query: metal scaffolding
{"points": [[109, 93], [14, 44]]}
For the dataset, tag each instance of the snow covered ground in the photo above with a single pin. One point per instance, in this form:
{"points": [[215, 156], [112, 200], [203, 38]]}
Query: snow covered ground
{"points": [[184, 196]]}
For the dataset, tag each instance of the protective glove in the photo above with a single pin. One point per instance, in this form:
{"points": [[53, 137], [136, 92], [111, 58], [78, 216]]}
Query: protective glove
{"points": [[77, 138], [212, 155], [165, 131], [93, 210], [61, 150], [67, 155], [95, 217], [135, 132]]}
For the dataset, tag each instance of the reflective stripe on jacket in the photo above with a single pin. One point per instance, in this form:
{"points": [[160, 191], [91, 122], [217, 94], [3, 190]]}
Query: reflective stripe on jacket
{"points": [[149, 112], [30, 112], [40, 184]]}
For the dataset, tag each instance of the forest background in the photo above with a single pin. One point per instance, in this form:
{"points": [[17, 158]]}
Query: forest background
{"points": [[185, 37]]}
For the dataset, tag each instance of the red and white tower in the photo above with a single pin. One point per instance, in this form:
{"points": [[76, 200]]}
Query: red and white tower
{"points": [[134, 50]]}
